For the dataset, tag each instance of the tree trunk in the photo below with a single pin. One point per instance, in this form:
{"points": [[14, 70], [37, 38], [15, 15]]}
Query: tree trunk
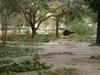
{"points": [[33, 31], [98, 28], [4, 34], [57, 28]]}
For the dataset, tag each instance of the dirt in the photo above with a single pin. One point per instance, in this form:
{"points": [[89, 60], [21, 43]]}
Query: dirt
{"points": [[62, 53], [71, 55]]}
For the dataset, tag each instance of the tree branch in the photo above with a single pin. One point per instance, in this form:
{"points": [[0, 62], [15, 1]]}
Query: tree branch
{"points": [[26, 17], [29, 18], [44, 20], [48, 12]]}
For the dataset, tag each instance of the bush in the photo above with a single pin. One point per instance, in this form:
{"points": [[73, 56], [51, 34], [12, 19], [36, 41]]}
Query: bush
{"points": [[82, 28]]}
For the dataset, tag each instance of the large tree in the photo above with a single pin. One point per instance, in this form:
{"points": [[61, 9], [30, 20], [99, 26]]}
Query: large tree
{"points": [[95, 5], [70, 10], [7, 10], [37, 11]]}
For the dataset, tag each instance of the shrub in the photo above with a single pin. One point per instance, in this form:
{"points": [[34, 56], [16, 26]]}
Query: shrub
{"points": [[82, 28]]}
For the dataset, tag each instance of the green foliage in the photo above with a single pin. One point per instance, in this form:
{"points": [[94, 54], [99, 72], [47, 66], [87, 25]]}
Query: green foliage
{"points": [[40, 38], [15, 51], [8, 73], [5, 61], [8, 67], [80, 38], [82, 28], [26, 65], [10, 5], [44, 38]]}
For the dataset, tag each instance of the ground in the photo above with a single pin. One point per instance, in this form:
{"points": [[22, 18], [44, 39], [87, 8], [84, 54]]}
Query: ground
{"points": [[75, 56], [62, 53]]}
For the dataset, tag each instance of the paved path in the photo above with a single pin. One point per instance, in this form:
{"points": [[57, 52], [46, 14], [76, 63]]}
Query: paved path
{"points": [[62, 53]]}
